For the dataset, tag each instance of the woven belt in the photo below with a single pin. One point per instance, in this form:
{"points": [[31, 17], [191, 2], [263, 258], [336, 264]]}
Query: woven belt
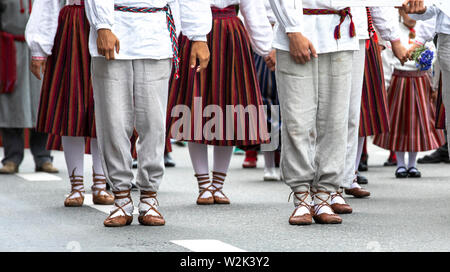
{"points": [[344, 13], [76, 2], [170, 27], [228, 12]]}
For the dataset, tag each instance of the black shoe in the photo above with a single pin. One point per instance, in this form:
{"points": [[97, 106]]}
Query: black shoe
{"points": [[134, 164], [361, 179], [168, 161], [438, 156], [403, 174], [414, 174], [390, 162], [363, 165]]}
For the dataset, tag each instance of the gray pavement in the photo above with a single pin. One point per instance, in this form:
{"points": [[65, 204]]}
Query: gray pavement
{"points": [[401, 215]]}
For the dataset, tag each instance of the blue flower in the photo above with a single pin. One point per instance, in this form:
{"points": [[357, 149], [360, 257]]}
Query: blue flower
{"points": [[423, 57]]}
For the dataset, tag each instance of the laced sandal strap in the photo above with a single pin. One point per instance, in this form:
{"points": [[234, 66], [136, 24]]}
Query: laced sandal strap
{"points": [[122, 194], [301, 199], [337, 194], [150, 194], [323, 203]]}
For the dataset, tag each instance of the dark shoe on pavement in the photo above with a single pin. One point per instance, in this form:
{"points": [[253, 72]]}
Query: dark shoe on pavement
{"points": [[438, 156], [413, 172], [135, 165], [363, 165], [357, 192], [168, 161], [9, 168], [401, 172], [361, 179], [47, 167]]}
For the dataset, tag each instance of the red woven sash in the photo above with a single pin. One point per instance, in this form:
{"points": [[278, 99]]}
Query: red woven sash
{"points": [[344, 13], [8, 65]]}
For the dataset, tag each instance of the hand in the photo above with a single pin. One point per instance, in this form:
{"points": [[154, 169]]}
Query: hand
{"points": [[434, 96], [106, 43], [200, 52], [38, 67], [271, 60], [414, 6], [411, 50], [301, 48], [400, 52]]}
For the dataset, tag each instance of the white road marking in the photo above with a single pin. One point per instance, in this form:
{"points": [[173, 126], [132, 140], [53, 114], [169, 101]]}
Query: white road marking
{"points": [[207, 246], [38, 177], [103, 208]]}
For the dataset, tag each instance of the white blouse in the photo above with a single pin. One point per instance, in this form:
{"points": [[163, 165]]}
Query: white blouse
{"points": [[137, 39], [319, 29], [257, 25]]}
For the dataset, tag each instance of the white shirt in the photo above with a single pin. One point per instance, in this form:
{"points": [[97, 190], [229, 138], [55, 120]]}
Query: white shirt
{"points": [[384, 20], [319, 29], [394, 63], [256, 23], [442, 20], [144, 35]]}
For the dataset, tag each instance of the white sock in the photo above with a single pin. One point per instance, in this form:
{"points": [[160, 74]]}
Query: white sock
{"points": [[203, 183], [126, 204], [97, 168], [73, 153], [146, 208], [199, 159], [298, 198], [400, 160], [361, 141], [269, 159], [412, 157], [337, 199], [222, 158], [320, 198]]}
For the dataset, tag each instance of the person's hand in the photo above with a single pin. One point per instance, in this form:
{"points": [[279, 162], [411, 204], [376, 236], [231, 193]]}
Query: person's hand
{"points": [[38, 67], [434, 96], [412, 49], [200, 52], [301, 48], [414, 6], [400, 52], [107, 43], [271, 60]]}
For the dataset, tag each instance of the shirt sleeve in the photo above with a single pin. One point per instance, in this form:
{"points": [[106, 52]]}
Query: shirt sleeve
{"points": [[100, 13], [431, 12], [425, 30], [41, 28], [257, 25], [386, 22], [289, 14], [196, 19]]}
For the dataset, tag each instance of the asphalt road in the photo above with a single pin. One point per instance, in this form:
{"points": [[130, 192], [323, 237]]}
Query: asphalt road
{"points": [[401, 215]]}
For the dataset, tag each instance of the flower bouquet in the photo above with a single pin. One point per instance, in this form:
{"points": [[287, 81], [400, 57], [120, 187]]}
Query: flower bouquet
{"points": [[423, 57]]}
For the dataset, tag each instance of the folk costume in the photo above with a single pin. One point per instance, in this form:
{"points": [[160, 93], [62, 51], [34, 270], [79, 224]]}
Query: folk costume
{"points": [[131, 92], [365, 19], [411, 111], [228, 85], [19, 91], [314, 99], [443, 55], [58, 33]]}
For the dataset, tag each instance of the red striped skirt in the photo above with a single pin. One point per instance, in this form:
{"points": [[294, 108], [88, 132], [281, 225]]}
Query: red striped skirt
{"points": [[412, 115], [440, 109], [374, 110], [67, 103], [229, 80]]}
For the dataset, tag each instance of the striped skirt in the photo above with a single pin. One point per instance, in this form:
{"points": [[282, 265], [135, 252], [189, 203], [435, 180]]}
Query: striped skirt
{"points": [[67, 103], [208, 97], [440, 109], [411, 114], [374, 111]]}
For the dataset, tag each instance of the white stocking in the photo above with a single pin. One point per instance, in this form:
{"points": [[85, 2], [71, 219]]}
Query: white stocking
{"points": [[199, 159], [400, 160], [97, 168], [412, 156], [73, 153], [222, 158], [269, 159]]}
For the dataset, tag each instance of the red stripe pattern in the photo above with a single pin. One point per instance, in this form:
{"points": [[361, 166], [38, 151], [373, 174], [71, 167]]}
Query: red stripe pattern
{"points": [[230, 79], [440, 109], [67, 104], [343, 13], [412, 115], [374, 110]]}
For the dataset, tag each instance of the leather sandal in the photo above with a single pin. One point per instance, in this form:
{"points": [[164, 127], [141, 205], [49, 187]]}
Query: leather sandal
{"points": [[338, 207], [121, 220], [305, 219], [219, 178], [99, 194], [325, 218], [71, 201], [147, 219], [203, 179]]}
